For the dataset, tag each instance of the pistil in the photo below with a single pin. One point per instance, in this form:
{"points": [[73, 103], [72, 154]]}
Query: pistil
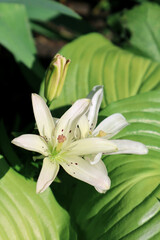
{"points": [[61, 138]]}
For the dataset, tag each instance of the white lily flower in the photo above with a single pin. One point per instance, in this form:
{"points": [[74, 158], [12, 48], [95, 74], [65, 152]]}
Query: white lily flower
{"points": [[108, 128], [58, 145]]}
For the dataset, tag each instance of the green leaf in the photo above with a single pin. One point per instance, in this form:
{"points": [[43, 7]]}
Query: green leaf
{"points": [[96, 61], [15, 33], [144, 25], [44, 9], [27, 215], [130, 209]]}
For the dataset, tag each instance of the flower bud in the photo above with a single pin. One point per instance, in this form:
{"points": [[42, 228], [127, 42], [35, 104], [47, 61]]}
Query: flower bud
{"points": [[55, 77]]}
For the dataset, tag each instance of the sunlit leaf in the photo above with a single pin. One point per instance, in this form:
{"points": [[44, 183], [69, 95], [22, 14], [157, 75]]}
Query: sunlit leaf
{"points": [[96, 61], [27, 215], [130, 209]]}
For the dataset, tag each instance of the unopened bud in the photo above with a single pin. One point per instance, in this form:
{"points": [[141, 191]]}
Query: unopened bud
{"points": [[55, 77]]}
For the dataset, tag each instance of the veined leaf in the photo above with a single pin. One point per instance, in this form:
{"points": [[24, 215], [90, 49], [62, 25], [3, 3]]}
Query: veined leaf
{"points": [[27, 215], [96, 61], [130, 209]]}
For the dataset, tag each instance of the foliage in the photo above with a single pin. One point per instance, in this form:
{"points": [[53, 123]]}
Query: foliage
{"points": [[26, 215], [131, 208], [99, 62], [143, 23], [124, 57], [15, 33]]}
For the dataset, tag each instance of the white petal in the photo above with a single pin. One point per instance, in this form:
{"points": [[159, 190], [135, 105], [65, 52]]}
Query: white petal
{"points": [[43, 117], [96, 96], [31, 142], [77, 133], [103, 169], [47, 175], [83, 126], [91, 146], [95, 175], [67, 123], [130, 147], [93, 159], [111, 125], [55, 120]]}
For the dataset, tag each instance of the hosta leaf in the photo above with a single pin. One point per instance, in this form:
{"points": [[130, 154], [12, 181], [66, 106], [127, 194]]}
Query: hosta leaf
{"points": [[15, 32], [144, 25], [96, 61], [27, 215], [130, 209]]}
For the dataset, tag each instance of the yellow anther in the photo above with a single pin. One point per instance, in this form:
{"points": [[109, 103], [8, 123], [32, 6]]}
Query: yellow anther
{"points": [[101, 134]]}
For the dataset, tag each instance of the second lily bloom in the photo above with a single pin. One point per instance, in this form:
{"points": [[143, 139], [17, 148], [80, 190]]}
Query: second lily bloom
{"points": [[108, 128]]}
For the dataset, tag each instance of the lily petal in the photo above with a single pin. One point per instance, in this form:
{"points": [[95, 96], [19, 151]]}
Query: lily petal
{"points": [[55, 120], [95, 175], [31, 142], [92, 146], [101, 166], [129, 146], [111, 125], [93, 159], [96, 96], [47, 175], [43, 117], [83, 126], [67, 123]]}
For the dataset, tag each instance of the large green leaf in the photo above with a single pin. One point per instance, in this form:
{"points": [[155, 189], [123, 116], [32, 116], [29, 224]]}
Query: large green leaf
{"points": [[27, 215], [15, 33], [44, 9], [144, 25], [95, 60], [130, 209]]}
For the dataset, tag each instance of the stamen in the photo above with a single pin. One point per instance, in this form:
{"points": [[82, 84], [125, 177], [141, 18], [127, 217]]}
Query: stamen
{"points": [[61, 139], [101, 134]]}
